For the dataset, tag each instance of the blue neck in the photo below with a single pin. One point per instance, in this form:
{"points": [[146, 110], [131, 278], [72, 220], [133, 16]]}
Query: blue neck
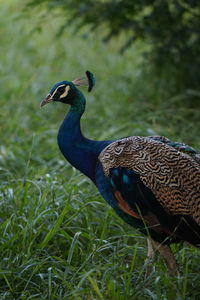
{"points": [[81, 152]]}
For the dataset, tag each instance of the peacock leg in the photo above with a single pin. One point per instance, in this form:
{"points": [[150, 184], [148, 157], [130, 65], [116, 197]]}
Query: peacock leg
{"points": [[150, 257], [168, 256]]}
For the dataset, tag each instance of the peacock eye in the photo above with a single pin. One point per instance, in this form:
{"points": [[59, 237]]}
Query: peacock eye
{"points": [[61, 90]]}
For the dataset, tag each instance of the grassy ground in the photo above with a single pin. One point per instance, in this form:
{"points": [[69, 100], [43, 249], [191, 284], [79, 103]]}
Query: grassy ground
{"points": [[53, 243]]}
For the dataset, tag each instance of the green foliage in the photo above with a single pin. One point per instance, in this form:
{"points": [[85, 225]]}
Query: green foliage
{"points": [[59, 239], [170, 28]]}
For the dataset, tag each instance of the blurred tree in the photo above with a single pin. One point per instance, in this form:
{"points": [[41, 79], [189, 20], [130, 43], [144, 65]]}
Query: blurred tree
{"points": [[171, 28]]}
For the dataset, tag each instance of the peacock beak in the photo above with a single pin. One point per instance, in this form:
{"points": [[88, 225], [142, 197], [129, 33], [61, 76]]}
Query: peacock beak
{"points": [[46, 100]]}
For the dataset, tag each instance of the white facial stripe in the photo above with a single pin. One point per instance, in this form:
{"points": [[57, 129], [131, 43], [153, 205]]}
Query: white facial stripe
{"points": [[65, 92], [57, 89]]}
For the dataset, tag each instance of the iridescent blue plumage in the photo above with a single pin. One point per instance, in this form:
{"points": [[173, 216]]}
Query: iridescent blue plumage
{"points": [[81, 152]]}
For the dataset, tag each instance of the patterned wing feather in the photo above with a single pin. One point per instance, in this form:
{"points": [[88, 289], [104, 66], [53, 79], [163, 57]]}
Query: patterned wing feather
{"points": [[172, 176], [178, 146]]}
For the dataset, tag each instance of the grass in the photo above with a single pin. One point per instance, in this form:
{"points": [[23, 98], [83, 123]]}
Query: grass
{"points": [[54, 244]]}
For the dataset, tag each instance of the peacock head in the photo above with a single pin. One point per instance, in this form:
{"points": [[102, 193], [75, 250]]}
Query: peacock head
{"points": [[65, 91]]}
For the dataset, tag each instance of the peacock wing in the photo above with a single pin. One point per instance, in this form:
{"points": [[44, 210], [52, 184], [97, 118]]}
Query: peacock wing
{"points": [[137, 200], [178, 146], [171, 175]]}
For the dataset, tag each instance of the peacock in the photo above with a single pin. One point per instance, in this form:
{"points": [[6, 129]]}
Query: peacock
{"points": [[152, 183]]}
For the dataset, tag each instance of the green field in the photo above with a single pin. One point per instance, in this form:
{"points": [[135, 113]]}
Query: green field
{"points": [[53, 242]]}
